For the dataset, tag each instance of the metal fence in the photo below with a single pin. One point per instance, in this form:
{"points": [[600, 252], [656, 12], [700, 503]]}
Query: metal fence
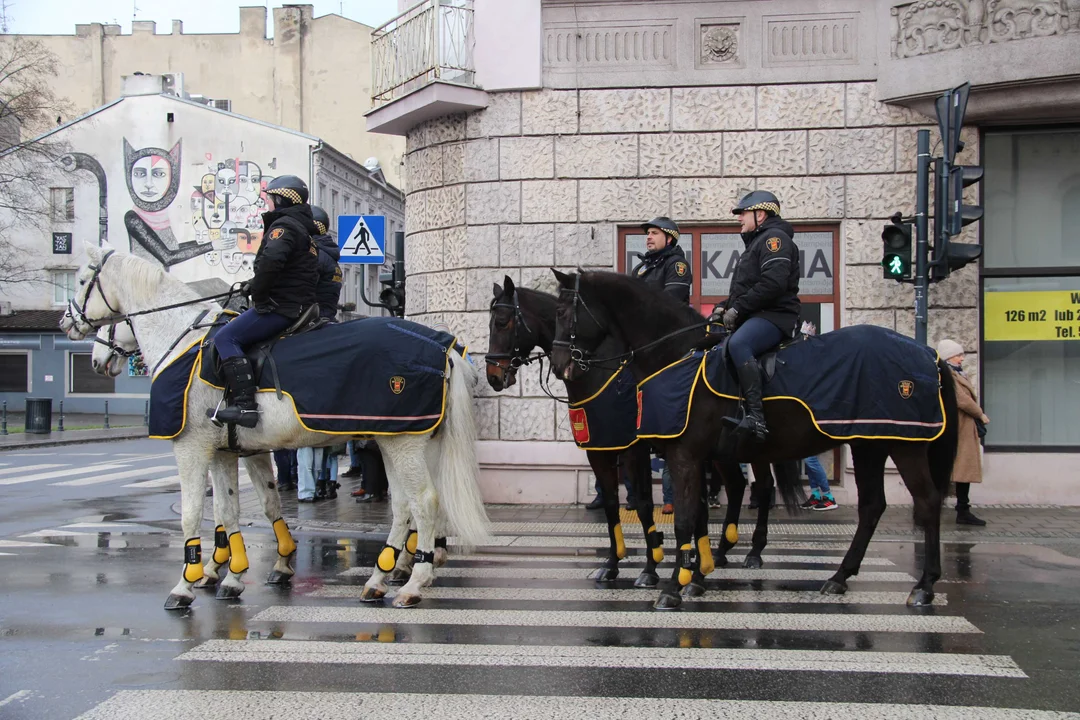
{"points": [[431, 41]]}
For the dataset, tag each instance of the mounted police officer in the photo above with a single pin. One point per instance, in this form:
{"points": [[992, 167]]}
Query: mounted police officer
{"points": [[763, 304], [664, 265], [328, 292], [282, 289]]}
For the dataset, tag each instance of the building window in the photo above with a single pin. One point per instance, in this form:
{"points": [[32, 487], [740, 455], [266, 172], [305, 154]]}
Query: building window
{"points": [[84, 380], [63, 282], [62, 204], [15, 372], [345, 204], [357, 210], [1030, 353], [333, 206], [321, 199]]}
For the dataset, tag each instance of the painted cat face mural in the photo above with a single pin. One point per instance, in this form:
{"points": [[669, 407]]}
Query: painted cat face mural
{"points": [[153, 175]]}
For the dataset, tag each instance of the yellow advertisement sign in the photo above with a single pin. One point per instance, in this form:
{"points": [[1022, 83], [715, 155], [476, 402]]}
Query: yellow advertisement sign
{"points": [[1031, 315]]}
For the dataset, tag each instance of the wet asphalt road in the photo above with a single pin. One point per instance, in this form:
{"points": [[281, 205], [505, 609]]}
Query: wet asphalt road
{"points": [[509, 631]]}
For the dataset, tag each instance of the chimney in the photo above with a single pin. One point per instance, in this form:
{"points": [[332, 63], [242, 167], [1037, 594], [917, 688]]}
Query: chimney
{"points": [[177, 27], [253, 22], [143, 26]]}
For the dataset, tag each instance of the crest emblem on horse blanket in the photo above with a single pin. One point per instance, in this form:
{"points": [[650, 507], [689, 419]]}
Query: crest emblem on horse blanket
{"points": [[847, 379], [336, 376], [605, 421]]}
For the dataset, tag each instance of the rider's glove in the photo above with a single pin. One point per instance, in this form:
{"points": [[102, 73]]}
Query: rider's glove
{"points": [[731, 317]]}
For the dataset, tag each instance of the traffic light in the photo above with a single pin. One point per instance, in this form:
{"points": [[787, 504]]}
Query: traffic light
{"points": [[393, 294], [951, 255], [896, 246]]}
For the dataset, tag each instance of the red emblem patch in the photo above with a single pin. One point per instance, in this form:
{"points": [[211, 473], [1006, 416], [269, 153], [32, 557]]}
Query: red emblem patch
{"points": [[579, 425], [906, 388], [681, 268], [276, 233], [773, 244], [397, 384]]}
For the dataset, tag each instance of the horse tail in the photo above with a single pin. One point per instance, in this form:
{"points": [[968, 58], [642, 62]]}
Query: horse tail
{"points": [[942, 452], [789, 485], [457, 471]]}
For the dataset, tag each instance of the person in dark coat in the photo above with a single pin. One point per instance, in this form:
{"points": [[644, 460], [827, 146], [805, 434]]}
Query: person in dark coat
{"points": [[282, 289], [328, 291], [664, 265], [763, 307]]}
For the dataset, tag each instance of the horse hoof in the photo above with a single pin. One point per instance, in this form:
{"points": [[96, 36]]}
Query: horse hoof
{"points": [[228, 591], [647, 580], [831, 587], [753, 562], [406, 600], [398, 576], [693, 590], [206, 583], [604, 574], [720, 561], [178, 602], [920, 598], [372, 594], [667, 601], [277, 577]]}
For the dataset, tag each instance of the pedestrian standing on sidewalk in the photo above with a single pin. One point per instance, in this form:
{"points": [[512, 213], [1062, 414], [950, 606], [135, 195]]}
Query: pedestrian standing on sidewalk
{"points": [[968, 466], [821, 497]]}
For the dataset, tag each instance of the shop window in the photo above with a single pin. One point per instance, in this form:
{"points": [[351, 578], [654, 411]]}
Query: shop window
{"points": [[63, 283], [1030, 357], [84, 380], [15, 372], [62, 204]]}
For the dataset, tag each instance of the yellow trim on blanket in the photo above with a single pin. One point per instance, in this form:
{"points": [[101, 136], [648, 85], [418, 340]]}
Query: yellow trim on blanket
{"points": [[187, 388], [941, 404], [582, 403], [689, 403]]}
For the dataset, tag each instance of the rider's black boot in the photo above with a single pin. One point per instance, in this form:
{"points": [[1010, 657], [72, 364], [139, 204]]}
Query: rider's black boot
{"points": [[240, 384], [753, 424]]}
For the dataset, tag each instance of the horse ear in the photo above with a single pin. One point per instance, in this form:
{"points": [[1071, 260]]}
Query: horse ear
{"points": [[93, 252], [563, 278], [496, 291], [508, 285]]}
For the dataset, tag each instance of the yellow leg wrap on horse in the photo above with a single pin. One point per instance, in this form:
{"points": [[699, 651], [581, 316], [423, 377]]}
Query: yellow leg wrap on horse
{"points": [[705, 553], [238, 563], [731, 533], [658, 551], [620, 543], [685, 574], [286, 546], [193, 571], [221, 546], [387, 559], [411, 543]]}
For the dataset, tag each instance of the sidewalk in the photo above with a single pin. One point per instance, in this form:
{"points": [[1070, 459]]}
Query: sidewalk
{"points": [[92, 430]]}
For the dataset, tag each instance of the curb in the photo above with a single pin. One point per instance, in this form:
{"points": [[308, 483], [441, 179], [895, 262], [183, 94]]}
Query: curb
{"points": [[51, 440]]}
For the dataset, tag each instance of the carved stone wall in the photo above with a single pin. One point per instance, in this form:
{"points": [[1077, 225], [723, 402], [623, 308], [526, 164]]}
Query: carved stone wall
{"points": [[545, 178]]}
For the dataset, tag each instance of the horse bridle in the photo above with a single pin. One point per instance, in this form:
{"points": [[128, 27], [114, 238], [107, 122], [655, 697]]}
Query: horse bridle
{"points": [[577, 355], [95, 282], [111, 341], [516, 356]]}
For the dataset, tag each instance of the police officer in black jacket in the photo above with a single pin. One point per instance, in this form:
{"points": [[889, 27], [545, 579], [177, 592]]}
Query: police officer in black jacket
{"points": [[763, 304], [328, 292], [281, 290], [664, 265]]}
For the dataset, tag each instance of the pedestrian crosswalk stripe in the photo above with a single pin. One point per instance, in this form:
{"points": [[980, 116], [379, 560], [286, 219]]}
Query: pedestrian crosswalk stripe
{"points": [[637, 595], [68, 472], [29, 468], [806, 622], [640, 559], [576, 574], [109, 477], [301, 705], [552, 541], [160, 482], [23, 544], [633, 527], [306, 651]]}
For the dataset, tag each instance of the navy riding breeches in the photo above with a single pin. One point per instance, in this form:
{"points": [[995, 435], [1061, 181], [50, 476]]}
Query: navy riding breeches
{"points": [[753, 337], [249, 328]]}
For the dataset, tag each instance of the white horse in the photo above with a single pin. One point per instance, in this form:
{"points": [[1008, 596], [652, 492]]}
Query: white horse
{"points": [[115, 286], [114, 345]]}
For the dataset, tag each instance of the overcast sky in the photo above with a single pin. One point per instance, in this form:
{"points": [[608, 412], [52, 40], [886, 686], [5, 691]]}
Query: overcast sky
{"points": [[58, 17]]}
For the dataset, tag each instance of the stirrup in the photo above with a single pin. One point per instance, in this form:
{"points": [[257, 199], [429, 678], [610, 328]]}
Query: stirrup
{"points": [[752, 430]]}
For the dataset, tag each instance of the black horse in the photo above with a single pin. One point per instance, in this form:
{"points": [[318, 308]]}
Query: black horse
{"points": [[521, 320], [594, 307]]}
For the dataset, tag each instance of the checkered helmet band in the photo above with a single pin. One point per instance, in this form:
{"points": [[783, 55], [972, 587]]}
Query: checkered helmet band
{"points": [[321, 228], [768, 206], [287, 193]]}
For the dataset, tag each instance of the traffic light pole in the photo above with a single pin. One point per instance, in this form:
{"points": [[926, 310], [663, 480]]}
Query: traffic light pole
{"points": [[922, 265]]}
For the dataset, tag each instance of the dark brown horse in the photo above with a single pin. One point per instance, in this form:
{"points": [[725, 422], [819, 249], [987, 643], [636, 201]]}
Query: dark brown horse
{"points": [[521, 320], [594, 307]]}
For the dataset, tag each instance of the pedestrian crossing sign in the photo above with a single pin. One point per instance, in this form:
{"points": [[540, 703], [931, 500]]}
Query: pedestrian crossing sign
{"points": [[362, 239]]}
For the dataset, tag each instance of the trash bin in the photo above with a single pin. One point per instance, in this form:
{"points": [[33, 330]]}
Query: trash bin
{"points": [[39, 415]]}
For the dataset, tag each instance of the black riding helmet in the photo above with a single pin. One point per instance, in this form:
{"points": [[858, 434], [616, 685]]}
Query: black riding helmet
{"points": [[287, 190], [665, 225], [322, 220], [758, 200]]}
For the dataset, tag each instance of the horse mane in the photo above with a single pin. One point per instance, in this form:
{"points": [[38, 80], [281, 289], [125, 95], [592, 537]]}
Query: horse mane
{"points": [[146, 280], [540, 301], [648, 305]]}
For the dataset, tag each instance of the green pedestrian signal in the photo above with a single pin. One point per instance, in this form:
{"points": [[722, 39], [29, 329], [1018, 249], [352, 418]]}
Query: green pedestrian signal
{"points": [[896, 247], [896, 266]]}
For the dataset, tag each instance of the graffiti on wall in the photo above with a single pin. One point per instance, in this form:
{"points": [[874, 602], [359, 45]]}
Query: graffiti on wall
{"points": [[226, 211]]}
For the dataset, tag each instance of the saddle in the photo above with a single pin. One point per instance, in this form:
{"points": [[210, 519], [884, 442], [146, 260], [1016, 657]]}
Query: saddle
{"points": [[258, 354], [767, 361]]}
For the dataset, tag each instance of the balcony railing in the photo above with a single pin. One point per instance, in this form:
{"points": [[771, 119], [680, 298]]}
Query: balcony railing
{"points": [[431, 41]]}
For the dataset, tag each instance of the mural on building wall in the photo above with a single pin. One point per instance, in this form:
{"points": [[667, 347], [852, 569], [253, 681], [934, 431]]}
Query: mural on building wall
{"points": [[226, 211]]}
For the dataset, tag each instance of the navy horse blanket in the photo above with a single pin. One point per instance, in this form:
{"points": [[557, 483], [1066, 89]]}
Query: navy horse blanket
{"points": [[860, 382], [375, 376], [605, 421]]}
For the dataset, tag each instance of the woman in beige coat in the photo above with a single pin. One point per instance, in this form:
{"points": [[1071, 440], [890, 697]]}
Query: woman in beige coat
{"points": [[968, 466]]}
